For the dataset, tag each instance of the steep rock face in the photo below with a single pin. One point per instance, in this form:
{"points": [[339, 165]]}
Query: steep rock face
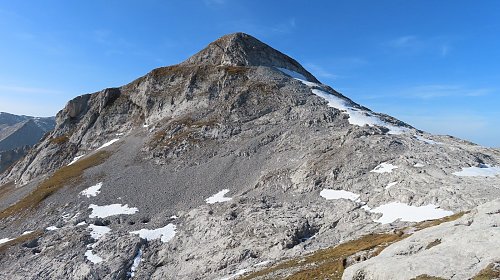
{"points": [[227, 118]]}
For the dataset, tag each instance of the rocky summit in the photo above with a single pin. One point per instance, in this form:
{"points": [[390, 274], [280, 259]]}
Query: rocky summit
{"points": [[239, 164]]}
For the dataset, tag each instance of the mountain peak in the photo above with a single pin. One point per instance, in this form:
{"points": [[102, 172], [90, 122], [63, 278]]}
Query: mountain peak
{"points": [[241, 49]]}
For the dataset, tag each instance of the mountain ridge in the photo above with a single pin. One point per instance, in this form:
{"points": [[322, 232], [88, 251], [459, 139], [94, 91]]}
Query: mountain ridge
{"points": [[206, 171]]}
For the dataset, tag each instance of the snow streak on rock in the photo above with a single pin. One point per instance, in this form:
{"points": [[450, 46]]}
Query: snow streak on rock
{"points": [[92, 191], [108, 143], [338, 194], [396, 210], [218, 197], [357, 116], [484, 170], [111, 210], [384, 168], [95, 259], [165, 234]]}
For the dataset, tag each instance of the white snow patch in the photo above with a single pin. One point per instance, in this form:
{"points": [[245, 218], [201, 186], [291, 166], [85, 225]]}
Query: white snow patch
{"points": [[366, 208], [338, 194], [174, 217], [111, 210], [51, 228], [397, 210], [26, 232], [76, 159], [97, 232], [145, 125], [218, 197], [93, 190], [119, 134], [384, 167], [166, 233], [81, 224], [356, 116], [292, 74], [136, 263], [428, 141], [5, 240], [95, 259], [390, 185], [262, 263], [108, 143], [484, 170], [419, 165]]}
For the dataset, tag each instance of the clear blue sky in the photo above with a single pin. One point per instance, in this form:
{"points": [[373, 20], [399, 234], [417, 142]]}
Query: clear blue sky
{"points": [[433, 64]]}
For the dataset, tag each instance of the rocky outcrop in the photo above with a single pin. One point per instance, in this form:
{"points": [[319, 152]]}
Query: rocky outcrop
{"points": [[453, 250]]}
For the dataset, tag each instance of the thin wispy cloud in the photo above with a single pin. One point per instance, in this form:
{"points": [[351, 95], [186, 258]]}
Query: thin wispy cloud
{"points": [[437, 91], [413, 44], [320, 72], [432, 91]]}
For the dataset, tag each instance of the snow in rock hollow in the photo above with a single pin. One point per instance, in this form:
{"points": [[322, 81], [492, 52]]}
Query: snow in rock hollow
{"points": [[397, 210], [92, 191], [218, 197], [384, 168], [97, 232], [390, 185], [419, 165], [95, 259], [51, 228], [357, 116], [111, 210], [428, 141], [136, 263], [484, 170], [165, 234], [338, 194], [75, 159], [5, 240], [108, 143]]}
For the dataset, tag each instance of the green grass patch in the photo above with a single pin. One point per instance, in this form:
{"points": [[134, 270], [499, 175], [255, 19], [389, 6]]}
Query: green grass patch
{"points": [[62, 177]]}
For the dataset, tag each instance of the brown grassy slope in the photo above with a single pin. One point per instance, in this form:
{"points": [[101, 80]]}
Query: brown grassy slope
{"points": [[64, 176]]}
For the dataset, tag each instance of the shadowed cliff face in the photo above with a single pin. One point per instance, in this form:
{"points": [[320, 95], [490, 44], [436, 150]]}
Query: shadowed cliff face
{"points": [[239, 119]]}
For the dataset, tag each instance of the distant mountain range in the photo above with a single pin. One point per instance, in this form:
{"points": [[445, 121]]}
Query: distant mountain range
{"points": [[18, 134]]}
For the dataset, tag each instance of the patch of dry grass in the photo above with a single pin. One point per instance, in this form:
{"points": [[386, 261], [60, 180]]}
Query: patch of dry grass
{"points": [[427, 277], [64, 176], [492, 271], [330, 263], [6, 189], [60, 140], [21, 239]]}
